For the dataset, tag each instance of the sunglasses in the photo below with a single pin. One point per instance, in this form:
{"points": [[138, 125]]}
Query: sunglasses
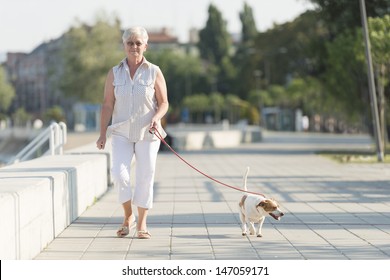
{"points": [[138, 43]]}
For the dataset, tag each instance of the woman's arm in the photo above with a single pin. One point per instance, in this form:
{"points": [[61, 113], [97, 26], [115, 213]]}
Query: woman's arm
{"points": [[160, 87], [107, 109]]}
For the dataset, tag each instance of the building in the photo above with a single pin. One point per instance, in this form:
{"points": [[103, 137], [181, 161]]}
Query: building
{"points": [[162, 39], [31, 75]]}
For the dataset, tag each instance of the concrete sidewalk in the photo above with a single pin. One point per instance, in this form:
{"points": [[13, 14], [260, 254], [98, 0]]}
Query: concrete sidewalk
{"points": [[333, 211]]}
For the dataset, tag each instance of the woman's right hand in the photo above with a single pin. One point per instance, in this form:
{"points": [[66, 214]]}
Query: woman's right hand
{"points": [[101, 142]]}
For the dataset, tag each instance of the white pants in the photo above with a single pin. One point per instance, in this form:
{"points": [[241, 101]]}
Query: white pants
{"points": [[145, 152]]}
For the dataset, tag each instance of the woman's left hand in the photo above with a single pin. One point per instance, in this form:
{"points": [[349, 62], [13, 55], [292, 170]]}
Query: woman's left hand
{"points": [[154, 125]]}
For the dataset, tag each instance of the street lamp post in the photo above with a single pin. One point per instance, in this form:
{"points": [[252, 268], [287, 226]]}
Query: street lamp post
{"points": [[371, 84]]}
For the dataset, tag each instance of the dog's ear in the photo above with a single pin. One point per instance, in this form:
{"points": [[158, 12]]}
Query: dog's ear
{"points": [[274, 201]]}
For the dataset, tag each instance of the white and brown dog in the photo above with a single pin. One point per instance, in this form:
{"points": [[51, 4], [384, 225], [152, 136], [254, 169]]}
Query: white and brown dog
{"points": [[254, 209]]}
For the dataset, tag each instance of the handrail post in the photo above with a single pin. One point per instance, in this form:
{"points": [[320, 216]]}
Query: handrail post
{"points": [[63, 136], [53, 138]]}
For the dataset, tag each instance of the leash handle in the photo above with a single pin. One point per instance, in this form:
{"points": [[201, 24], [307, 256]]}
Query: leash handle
{"points": [[157, 133]]}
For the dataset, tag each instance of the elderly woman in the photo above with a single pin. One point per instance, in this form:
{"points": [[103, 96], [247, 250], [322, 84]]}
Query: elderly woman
{"points": [[135, 97]]}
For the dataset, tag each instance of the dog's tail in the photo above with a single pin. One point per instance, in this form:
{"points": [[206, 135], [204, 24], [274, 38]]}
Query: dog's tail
{"points": [[245, 178]]}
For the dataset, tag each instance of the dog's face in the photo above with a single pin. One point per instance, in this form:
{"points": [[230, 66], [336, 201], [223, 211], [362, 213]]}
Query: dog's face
{"points": [[271, 207]]}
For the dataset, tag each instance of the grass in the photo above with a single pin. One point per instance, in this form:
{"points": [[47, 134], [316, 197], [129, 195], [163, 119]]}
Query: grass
{"points": [[355, 157]]}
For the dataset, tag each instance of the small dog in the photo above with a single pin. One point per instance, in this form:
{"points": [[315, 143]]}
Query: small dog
{"points": [[254, 209]]}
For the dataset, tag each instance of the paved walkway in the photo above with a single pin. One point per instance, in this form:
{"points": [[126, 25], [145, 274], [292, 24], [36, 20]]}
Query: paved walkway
{"points": [[333, 211]]}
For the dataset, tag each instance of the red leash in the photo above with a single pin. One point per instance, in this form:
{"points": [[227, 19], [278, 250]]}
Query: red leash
{"points": [[157, 133]]}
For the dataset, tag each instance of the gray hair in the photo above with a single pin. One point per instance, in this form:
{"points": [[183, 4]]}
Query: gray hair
{"points": [[136, 32]]}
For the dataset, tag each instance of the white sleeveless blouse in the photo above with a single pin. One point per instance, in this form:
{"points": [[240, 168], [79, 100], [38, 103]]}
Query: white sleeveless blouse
{"points": [[135, 101]]}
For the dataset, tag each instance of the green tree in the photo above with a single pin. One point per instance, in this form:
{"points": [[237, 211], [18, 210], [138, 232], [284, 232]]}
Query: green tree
{"points": [[293, 49], [198, 104], [260, 98], [245, 57], [214, 40], [235, 108], [183, 73], [88, 53], [252, 114], [307, 94], [56, 113], [7, 92], [379, 29], [342, 15], [217, 102], [248, 30], [21, 117], [345, 77], [214, 47], [343, 18]]}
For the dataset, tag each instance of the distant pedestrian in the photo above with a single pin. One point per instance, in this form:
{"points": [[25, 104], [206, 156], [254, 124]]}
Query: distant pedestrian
{"points": [[135, 97]]}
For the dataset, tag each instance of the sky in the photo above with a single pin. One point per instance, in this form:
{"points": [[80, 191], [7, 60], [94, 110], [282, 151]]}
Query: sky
{"points": [[25, 24]]}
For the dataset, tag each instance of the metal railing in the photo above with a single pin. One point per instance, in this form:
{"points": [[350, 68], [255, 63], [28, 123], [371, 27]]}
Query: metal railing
{"points": [[49, 142]]}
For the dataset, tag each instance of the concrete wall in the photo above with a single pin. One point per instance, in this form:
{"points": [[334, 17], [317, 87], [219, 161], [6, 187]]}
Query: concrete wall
{"points": [[198, 137], [41, 197]]}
